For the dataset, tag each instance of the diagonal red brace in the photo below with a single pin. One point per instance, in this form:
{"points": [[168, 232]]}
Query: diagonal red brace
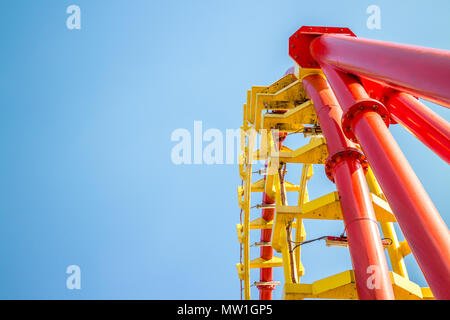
{"points": [[346, 168], [419, 220]]}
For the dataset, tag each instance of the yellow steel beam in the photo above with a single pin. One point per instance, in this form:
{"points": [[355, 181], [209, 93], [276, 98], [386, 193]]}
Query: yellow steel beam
{"points": [[328, 207], [283, 95], [251, 107], [404, 248], [315, 152], [342, 286], [281, 84], [246, 210], [394, 250], [290, 276], [288, 94], [240, 233], [259, 263], [324, 208], [300, 233], [293, 120], [259, 186], [260, 223]]}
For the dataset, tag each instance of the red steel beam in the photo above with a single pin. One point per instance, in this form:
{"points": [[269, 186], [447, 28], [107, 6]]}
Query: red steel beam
{"points": [[427, 235], [423, 72], [423, 123], [345, 167], [266, 274]]}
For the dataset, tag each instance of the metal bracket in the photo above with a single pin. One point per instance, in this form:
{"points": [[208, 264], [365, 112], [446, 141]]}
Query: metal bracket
{"points": [[300, 42]]}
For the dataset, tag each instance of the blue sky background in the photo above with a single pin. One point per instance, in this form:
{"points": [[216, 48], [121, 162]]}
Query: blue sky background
{"points": [[85, 122]]}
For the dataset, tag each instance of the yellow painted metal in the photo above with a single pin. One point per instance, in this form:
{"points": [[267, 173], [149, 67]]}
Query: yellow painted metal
{"points": [[246, 209], [240, 233], [272, 189], [293, 120], [288, 95], [251, 107], [342, 286], [287, 265], [328, 207], [404, 248], [259, 263], [315, 152], [260, 223], [394, 250], [259, 186], [300, 233], [302, 73], [240, 271]]}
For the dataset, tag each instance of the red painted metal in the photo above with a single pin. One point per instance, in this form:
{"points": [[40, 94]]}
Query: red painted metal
{"points": [[303, 38], [423, 72], [424, 229], [423, 123], [266, 274], [364, 239]]}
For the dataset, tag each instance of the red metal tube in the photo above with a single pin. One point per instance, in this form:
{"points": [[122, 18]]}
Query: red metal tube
{"points": [[266, 274], [419, 220], [423, 123], [422, 72], [347, 171]]}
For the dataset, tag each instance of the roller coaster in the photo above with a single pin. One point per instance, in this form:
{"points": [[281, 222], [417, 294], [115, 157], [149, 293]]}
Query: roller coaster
{"points": [[342, 95]]}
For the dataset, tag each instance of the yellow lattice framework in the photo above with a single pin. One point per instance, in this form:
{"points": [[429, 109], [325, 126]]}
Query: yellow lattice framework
{"points": [[261, 117]]}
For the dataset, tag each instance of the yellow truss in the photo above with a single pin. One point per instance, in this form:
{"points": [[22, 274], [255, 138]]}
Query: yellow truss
{"points": [[288, 95]]}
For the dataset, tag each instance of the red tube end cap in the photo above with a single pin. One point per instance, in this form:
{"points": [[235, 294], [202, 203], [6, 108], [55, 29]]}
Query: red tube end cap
{"points": [[300, 41]]}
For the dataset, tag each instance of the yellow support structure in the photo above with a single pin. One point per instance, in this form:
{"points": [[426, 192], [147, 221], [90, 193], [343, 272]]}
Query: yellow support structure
{"points": [[277, 110], [293, 120], [342, 286], [314, 152], [394, 251], [247, 193]]}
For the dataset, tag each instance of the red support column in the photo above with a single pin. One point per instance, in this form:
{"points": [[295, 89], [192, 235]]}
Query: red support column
{"points": [[345, 167], [367, 120], [420, 71], [423, 123], [266, 274]]}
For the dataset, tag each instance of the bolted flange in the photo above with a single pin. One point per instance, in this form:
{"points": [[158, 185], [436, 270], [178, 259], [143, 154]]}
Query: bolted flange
{"points": [[350, 153], [358, 109]]}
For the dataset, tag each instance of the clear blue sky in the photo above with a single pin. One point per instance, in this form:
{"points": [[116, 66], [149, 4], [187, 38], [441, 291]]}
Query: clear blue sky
{"points": [[85, 123]]}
